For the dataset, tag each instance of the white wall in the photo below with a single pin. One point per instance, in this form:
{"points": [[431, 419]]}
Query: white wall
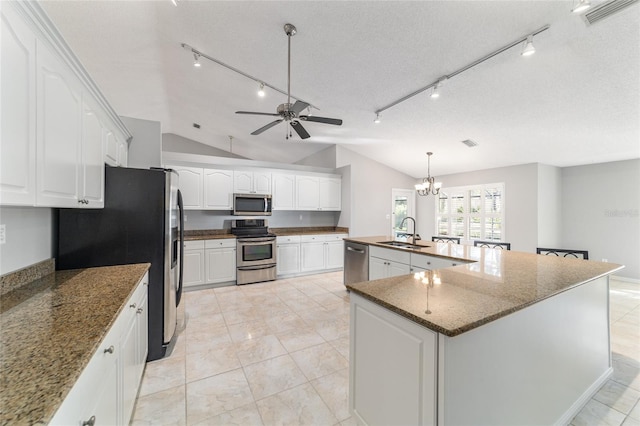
{"points": [[521, 202], [549, 206], [369, 204], [600, 212], [325, 158], [209, 219], [176, 143], [145, 148], [28, 237]]}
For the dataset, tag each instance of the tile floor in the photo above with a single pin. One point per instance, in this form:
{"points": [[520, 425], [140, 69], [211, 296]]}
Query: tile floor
{"points": [[277, 353]]}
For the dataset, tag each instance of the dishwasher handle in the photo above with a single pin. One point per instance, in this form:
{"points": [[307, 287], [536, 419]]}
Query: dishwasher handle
{"points": [[354, 249]]}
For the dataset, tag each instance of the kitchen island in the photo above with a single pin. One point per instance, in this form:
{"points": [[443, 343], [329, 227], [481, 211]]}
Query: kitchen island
{"points": [[504, 338]]}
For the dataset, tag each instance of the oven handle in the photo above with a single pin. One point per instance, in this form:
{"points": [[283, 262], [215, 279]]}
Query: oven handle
{"points": [[256, 268], [256, 240]]}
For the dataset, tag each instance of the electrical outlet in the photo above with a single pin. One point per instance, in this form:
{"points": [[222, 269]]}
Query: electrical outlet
{"points": [[300, 217], [3, 233], [388, 217], [604, 260], [185, 217]]}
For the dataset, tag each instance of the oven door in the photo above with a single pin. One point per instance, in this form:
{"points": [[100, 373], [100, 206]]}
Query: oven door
{"points": [[256, 251]]}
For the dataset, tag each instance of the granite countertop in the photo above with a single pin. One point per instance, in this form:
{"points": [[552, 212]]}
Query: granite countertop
{"points": [[212, 234], [461, 298], [50, 329]]}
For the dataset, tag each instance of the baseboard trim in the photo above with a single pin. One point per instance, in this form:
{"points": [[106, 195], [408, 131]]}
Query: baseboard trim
{"points": [[584, 398], [626, 279]]}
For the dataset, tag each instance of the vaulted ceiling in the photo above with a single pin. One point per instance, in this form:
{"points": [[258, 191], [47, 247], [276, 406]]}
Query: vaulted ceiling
{"points": [[575, 101]]}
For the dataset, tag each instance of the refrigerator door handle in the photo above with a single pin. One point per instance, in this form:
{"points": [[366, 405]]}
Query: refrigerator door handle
{"points": [[181, 245]]}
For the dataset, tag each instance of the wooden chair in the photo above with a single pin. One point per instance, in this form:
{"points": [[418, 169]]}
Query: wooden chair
{"points": [[439, 239], [492, 244], [578, 254]]}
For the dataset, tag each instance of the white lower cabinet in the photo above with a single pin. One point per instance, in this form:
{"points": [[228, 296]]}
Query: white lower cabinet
{"points": [[193, 271], [321, 252], [209, 262], [106, 390], [385, 263], [220, 260], [288, 255]]}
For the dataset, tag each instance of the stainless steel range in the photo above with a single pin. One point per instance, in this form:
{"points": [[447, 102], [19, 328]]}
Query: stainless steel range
{"points": [[256, 251]]}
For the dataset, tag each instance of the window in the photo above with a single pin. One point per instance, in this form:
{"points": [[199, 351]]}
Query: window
{"points": [[402, 205], [471, 212]]}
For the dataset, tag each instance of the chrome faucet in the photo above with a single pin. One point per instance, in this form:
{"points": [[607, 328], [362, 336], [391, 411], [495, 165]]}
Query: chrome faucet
{"points": [[415, 236]]}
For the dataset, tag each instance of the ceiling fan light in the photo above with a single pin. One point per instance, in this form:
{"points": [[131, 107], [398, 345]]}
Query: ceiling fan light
{"points": [[261, 92], [581, 6], [528, 48]]}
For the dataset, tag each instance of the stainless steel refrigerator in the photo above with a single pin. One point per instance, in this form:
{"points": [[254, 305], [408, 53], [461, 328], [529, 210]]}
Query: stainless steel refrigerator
{"points": [[142, 221]]}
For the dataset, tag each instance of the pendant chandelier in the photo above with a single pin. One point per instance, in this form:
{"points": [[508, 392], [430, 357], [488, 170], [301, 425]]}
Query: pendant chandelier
{"points": [[429, 184]]}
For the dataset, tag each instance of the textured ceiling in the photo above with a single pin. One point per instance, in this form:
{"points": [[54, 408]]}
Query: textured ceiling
{"points": [[576, 101]]}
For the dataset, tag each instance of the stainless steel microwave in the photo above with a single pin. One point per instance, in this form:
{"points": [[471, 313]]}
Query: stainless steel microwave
{"points": [[251, 205]]}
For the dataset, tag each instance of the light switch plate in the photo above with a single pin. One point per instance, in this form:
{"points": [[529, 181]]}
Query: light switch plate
{"points": [[3, 233]]}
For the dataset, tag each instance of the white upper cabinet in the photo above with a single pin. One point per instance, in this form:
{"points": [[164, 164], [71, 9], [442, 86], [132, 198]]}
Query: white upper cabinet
{"points": [[218, 189], [307, 192], [91, 175], [330, 194], [245, 182], [318, 193], [55, 122], [191, 184], [59, 134], [18, 111], [284, 190]]}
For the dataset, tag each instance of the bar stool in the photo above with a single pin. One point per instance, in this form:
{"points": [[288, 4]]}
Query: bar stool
{"points": [[492, 244], [578, 254]]}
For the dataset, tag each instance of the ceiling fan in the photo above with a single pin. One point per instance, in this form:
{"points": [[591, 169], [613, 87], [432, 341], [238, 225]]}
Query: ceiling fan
{"points": [[291, 112]]}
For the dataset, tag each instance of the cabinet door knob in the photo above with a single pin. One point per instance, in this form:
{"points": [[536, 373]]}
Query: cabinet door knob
{"points": [[133, 305], [139, 311], [109, 350], [90, 422]]}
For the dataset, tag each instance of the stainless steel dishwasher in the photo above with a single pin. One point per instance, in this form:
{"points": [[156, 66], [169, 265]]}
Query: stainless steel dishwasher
{"points": [[356, 262]]}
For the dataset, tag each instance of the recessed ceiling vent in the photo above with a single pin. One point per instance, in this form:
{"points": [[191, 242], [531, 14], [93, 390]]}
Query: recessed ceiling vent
{"points": [[605, 10], [470, 143]]}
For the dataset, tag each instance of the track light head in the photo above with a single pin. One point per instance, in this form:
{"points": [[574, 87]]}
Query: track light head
{"points": [[377, 120], [581, 6], [435, 92], [196, 60], [261, 92], [528, 48]]}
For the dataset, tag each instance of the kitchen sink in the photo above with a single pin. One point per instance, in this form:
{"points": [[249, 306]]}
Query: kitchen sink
{"points": [[400, 244]]}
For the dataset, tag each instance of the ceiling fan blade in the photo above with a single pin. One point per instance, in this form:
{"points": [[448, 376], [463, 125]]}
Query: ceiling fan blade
{"points": [[299, 106], [300, 130], [258, 113], [267, 127], [325, 120]]}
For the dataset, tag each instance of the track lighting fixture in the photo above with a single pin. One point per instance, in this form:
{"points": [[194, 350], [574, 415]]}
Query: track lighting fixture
{"points": [[435, 86], [377, 120], [197, 54], [581, 6], [175, 2], [261, 90], [528, 48]]}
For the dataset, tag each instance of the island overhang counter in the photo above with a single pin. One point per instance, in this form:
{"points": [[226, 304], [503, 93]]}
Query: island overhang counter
{"points": [[503, 338]]}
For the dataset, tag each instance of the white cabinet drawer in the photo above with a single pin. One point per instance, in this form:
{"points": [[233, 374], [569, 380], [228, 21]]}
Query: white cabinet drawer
{"points": [[389, 254], [433, 262], [335, 237], [194, 245], [291, 239], [311, 238], [220, 243]]}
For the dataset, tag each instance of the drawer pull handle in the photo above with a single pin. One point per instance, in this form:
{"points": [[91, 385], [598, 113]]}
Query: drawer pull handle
{"points": [[90, 422], [109, 350], [139, 311]]}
